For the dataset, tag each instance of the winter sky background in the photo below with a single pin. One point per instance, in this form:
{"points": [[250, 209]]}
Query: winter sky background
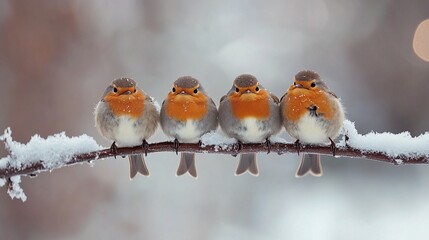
{"points": [[57, 58]]}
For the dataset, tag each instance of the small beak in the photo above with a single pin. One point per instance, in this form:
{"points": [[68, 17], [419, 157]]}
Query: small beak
{"points": [[248, 91], [126, 93], [183, 92], [298, 86]]}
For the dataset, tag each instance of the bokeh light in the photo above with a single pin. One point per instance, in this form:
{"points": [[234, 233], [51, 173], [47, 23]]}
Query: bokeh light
{"points": [[421, 40]]}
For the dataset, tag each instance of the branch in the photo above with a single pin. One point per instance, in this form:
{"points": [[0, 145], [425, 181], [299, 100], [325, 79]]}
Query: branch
{"points": [[279, 148], [56, 151]]}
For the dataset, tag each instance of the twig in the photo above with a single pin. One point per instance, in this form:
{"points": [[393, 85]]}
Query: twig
{"points": [[279, 148]]}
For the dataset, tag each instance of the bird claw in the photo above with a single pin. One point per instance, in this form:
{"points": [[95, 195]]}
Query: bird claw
{"points": [[176, 145], [238, 147], [333, 147], [269, 145], [200, 143], [297, 146], [114, 149], [9, 184], [347, 138], [145, 146]]}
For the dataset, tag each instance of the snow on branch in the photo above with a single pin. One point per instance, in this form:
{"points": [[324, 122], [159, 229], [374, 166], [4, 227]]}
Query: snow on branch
{"points": [[40, 155]]}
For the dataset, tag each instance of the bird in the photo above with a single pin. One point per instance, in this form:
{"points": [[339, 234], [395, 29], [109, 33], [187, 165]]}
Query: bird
{"points": [[250, 114], [127, 116], [186, 114], [311, 114]]}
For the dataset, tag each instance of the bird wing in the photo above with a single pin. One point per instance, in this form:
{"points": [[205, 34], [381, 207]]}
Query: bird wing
{"points": [[212, 102], [222, 98], [148, 98], [284, 95], [275, 98], [333, 94]]}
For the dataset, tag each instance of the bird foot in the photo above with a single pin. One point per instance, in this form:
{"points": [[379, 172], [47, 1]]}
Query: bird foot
{"points": [[176, 145], [238, 146], [145, 146], [347, 138], [114, 149], [297, 146], [269, 145], [333, 147]]}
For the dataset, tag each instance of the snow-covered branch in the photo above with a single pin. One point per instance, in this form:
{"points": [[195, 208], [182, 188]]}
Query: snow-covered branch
{"points": [[57, 151]]}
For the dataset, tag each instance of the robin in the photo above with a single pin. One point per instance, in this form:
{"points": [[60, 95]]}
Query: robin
{"points": [[312, 114], [250, 114], [127, 116], [186, 114]]}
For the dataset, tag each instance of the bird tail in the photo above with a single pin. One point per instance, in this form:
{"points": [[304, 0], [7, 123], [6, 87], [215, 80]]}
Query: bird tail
{"points": [[247, 163], [187, 164], [137, 164], [310, 163]]}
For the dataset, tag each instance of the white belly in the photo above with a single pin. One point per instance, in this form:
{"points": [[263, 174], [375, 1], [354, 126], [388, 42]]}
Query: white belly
{"points": [[189, 132], [253, 134], [311, 131], [126, 135]]}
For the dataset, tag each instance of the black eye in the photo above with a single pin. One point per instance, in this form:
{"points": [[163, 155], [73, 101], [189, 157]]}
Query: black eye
{"points": [[135, 89], [237, 90], [115, 90], [294, 83], [257, 89], [313, 84], [196, 90], [174, 90]]}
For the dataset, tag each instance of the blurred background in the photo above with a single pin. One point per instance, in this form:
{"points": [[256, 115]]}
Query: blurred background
{"points": [[57, 58]]}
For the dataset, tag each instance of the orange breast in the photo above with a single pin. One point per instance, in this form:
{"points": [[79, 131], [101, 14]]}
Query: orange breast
{"points": [[299, 100], [186, 107], [129, 105], [250, 105]]}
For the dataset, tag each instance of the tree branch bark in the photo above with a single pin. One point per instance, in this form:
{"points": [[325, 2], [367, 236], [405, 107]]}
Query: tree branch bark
{"points": [[279, 148]]}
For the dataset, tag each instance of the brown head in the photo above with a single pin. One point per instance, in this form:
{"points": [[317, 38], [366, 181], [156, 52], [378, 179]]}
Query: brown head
{"points": [[187, 99], [309, 80], [248, 98], [307, 91], [121, 86], [247, 87], [124, 98], [187, 86], [245, 80]]}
